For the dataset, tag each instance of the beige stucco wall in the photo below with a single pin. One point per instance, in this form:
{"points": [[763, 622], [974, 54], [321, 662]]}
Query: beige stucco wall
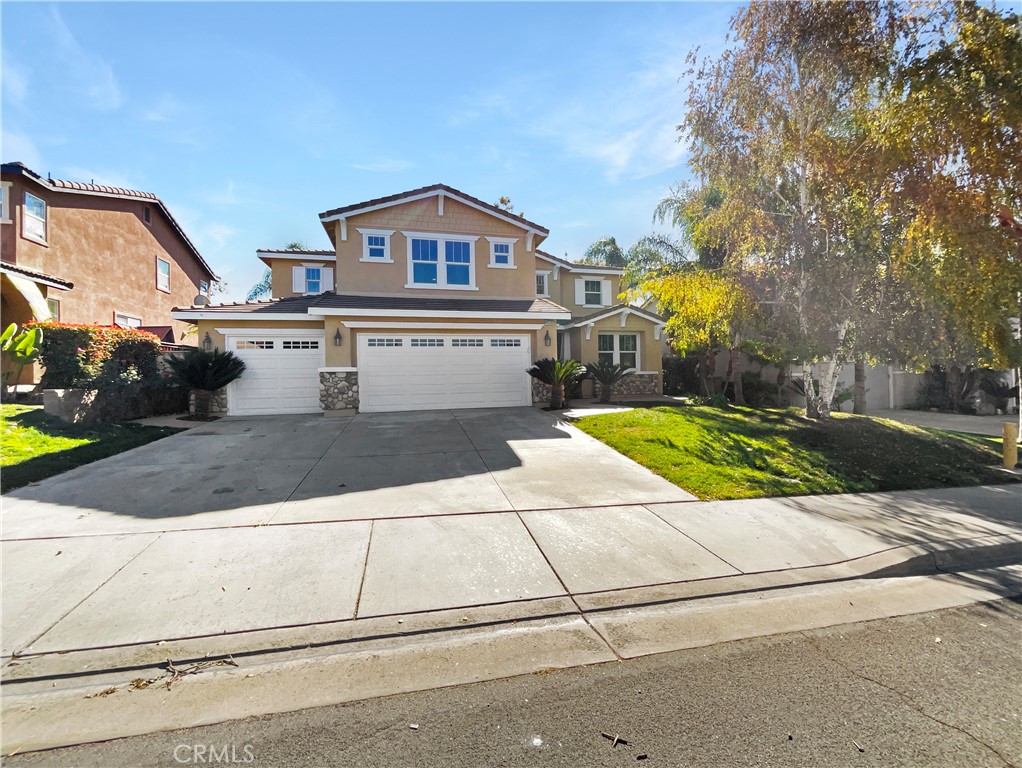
{"points": [[281, 282], [355, 276], [346, 355], [562, 290], [586, 350]]}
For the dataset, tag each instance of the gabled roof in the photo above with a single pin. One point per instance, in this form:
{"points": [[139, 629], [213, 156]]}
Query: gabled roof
{"points": [[35, 274], [431, 191], [265, 255], [574, 266], [98, 190], [578, 322]]}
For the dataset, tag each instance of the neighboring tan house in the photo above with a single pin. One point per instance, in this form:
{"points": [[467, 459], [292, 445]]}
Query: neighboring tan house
{"points": [[429, 300], [84, 253]]}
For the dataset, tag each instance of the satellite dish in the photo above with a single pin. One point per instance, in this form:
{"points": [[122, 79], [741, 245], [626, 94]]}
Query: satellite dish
{"points": [[200, 301]]}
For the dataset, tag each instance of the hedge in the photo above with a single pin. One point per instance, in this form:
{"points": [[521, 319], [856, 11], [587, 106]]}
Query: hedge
{"points": [[96, 356]]}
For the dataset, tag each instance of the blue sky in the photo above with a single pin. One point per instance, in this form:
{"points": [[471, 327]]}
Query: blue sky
{"points": [[249, 119]]}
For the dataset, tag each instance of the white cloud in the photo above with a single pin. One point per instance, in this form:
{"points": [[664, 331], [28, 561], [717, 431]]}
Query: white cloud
{"points": [[15, 82], [17, 147], [219, 234], [166, 108], [384, 165], [227, 195], [91, 76]]}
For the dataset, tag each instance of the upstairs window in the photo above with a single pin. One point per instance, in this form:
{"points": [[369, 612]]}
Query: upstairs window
{"points": [[33, 220], [147, 214], [424, 262], [502, 252], [204, 288], [593, 293], [163, 274], [376, 245], [312, 278], [458, 257], [444, 261], [541, 284], [5, 202]]}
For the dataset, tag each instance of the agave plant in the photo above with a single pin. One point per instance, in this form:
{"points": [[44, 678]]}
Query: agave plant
{"points": [[558, 374], [608, 374], [205, 372]]}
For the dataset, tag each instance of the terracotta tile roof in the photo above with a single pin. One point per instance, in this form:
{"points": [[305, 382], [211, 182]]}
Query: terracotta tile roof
{"points": [[435, 188], [296, 251], [428, 304], [298, 304], [35, 274], [63, 185], [331, 300]]}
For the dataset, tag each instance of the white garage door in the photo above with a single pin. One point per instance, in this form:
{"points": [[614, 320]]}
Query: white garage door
{"points": [[411, 372], [281, 374]]}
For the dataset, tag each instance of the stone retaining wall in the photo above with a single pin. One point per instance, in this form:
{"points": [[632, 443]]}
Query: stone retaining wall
{"points": [[338, 390], [633, 384]]}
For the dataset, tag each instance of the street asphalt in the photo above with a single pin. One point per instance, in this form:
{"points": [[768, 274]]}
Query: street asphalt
{"points": [[941, 688]]}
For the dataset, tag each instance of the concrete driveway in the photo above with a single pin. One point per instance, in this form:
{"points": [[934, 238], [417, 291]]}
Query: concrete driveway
{"points": [[302, 469]]}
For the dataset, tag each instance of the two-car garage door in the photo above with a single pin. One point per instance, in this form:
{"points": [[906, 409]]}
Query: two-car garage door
{"points": [[423, 371]]}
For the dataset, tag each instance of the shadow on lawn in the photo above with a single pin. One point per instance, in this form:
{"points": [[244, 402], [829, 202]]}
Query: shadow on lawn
{"points": [[105, 440], [843, 454]]}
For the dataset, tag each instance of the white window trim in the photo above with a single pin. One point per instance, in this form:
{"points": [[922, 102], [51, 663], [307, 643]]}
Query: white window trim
{"points": [[511, 255], [46, 220], [441, 271], [305, 278], [167, 262], [584, 292], [206, 291], [5, 207], [617, 348], [125, 325], [57, 302], [545, 274], [385, 234]]}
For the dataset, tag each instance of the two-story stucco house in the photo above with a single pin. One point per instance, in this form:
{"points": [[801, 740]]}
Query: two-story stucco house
{"points": [[430, 299], [84, 253]]}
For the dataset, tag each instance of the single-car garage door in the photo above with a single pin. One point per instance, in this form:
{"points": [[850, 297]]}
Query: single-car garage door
{"points": [[411, 372], [281, 373]]}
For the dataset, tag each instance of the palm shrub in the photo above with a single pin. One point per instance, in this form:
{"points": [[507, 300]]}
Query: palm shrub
{"points": [[205, 372], [558, 374], [608, 374]]}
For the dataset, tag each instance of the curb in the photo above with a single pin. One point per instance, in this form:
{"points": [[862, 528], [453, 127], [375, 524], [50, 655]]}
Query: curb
{"points": [[63, 698]]}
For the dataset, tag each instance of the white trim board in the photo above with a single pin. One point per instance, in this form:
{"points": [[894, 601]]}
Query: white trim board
{"points": [[338, 369], [436, 313], [271, 331], [474, 328], [199, 315]]}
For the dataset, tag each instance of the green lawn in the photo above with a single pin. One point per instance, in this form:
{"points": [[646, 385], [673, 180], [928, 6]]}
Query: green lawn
{"points": [[35, 446], [742, 452]]}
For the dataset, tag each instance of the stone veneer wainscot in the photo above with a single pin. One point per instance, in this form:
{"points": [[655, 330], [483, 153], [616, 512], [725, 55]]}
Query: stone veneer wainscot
{"points": [[338, 390]]}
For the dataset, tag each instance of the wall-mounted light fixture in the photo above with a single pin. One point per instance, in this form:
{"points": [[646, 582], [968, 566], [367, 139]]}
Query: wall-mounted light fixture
{"points": [[338, 339], [207, 343], [546, 339]]}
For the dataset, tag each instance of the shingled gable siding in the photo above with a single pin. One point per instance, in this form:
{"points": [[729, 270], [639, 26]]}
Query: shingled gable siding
{"points": [[355, 276]]}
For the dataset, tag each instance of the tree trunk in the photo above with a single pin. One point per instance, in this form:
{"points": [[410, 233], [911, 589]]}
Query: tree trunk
{"points": [[605, 392], [202, 398], [782, 379], [704, 370], [859, 392], [736, 369], [814, 403], [953, 387], [556, 396]]}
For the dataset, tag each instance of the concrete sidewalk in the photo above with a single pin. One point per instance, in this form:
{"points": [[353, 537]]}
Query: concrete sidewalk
{"points": [[397, 601]]}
